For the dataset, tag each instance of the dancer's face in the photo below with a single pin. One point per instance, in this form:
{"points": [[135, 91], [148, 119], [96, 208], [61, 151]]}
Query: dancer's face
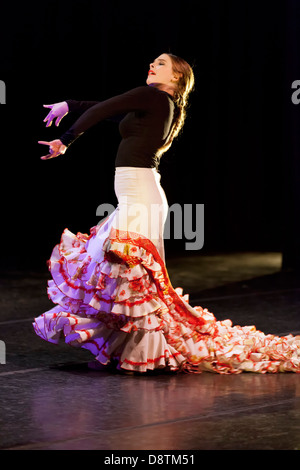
{"points": [[161, 72]]}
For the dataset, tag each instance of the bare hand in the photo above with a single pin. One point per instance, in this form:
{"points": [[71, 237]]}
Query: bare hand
{"points": [[56, 148], [58, 111]]}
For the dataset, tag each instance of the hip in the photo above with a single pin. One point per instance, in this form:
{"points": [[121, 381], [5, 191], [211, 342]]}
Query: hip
{"points": [[139, 185]]}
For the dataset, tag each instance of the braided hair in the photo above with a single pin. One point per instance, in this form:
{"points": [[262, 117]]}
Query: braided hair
{"points": [[185, 85]]}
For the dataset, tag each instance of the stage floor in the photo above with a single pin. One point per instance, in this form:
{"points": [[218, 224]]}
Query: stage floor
{"points": [[49, 399]]}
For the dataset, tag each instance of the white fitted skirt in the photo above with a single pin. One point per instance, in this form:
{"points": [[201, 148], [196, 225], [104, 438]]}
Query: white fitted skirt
{"points": [[142, 204]]}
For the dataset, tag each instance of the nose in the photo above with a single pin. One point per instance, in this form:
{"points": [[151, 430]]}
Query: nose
{"points": [[151, 66]]}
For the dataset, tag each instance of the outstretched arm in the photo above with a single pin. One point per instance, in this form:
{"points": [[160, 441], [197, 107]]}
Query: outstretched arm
{"points": [[140, 98], [61, 109]]}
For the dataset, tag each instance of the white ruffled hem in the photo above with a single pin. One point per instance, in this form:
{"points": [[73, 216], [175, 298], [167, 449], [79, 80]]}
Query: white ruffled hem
{"points": [[121, 306]]}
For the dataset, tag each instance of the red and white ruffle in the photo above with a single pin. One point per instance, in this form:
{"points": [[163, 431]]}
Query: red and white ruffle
{"points": [[118, 303]]}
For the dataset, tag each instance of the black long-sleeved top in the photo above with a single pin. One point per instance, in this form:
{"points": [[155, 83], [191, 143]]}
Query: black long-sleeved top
{"points": [[144, 129]]}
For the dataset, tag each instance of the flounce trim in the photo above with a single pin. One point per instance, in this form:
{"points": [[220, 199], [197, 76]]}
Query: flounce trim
{"points": [[121, 305], [79, 282], [137, 344], [112, 305]]}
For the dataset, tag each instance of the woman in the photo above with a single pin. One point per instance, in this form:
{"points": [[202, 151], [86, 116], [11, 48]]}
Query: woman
{"points": [[111, 288]]}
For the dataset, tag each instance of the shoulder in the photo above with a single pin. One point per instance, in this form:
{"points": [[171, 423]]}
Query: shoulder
{"points": [[161, 97], [149, 97]]}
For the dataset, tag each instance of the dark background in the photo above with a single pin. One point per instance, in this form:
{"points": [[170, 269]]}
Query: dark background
{"points": [[238, 153]]}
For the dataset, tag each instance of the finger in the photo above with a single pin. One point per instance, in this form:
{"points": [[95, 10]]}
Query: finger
{"points": [[48, 116], [43, 142], [58, 121], [49, 122], [48, 105], [50, 155]]}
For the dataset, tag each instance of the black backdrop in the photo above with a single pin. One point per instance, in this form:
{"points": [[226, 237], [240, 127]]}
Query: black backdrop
{"points": [[238, 153]]}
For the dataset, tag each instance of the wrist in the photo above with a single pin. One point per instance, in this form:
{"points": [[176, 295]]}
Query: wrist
{"points": [[65, 106]]}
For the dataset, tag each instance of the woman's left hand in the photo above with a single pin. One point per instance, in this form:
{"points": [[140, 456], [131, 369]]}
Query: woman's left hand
{"points": [[56, 148], [58, 111]]}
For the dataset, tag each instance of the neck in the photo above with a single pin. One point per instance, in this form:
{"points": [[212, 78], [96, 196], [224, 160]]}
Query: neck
{"points": [[163, 87]]}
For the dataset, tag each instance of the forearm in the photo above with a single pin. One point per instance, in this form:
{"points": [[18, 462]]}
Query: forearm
{"points": [[80, 106]]}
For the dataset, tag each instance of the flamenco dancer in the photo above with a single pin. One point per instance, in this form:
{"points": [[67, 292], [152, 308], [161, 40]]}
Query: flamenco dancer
{"points": [[111, 289]]}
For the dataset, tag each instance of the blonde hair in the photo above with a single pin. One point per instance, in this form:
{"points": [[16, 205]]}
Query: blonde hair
{"points": [[184, 87]]}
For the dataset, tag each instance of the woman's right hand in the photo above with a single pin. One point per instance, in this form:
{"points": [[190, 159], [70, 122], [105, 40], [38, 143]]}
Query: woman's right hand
{"points": [[56, 148], [58, 111]]}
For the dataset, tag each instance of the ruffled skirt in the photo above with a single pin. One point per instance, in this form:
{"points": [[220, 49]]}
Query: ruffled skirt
{"points": [[113, 296]]}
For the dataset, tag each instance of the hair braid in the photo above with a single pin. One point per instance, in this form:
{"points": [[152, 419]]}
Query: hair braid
{"points": [[181, 95]]}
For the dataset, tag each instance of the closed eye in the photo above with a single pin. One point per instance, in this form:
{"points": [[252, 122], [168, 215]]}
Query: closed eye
{"points": [[160, 61]]}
